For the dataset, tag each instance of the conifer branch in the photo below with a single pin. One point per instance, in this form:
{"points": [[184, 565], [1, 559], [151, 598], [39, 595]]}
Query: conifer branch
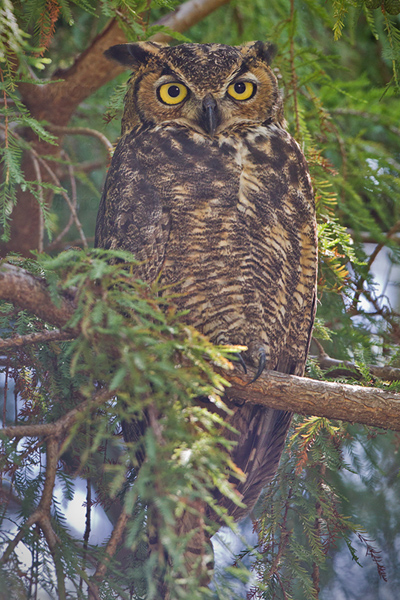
{"points": [[367, 405], [325, 362], [58, 428]]}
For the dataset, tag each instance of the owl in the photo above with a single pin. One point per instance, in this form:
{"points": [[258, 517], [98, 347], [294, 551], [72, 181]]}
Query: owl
{"points": [[213, 196]]}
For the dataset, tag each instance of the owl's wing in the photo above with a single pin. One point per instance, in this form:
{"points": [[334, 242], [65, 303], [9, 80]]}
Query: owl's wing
{"points": [[130, 214]]}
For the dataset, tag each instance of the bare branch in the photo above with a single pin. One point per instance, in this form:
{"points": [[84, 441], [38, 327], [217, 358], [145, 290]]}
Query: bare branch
{"points": [[392, 231], [113, 543], [19, 341], [83, 131], [367, 116], [353, 403], [41, 202], [386, 372], [57, 428], [31, 293], [185, 16], [53, 177], [64, 232]]}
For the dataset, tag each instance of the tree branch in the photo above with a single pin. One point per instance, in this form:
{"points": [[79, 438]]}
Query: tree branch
{"points": [[20, 341], [353, 403], [58, 428], [31, 293], [83, 131], [386, 372]]}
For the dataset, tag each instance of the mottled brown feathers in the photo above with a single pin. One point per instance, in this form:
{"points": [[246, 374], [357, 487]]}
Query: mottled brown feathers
{"points": [[226, 219]]}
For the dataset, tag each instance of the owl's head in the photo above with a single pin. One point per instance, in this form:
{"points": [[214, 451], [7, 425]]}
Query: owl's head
{"points": [[208, 88]]}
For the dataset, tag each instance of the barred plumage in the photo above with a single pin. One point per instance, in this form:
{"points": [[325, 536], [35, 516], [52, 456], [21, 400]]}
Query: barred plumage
{"points": [[214, 196]]}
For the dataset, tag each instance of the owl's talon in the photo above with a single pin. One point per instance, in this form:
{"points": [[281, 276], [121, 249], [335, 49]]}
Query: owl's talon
{"points": [[241, 361], [261, 365]]}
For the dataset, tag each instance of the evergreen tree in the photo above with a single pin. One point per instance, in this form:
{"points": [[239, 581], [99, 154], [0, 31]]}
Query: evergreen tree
{"points": [[85, 346]]}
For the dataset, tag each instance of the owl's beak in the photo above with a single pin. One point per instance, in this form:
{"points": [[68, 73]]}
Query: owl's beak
{"points": [[210, 115]]}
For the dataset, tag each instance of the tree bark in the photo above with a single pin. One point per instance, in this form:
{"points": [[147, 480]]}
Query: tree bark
{"points": [[357, 404], [352, 403], [31, 293]]}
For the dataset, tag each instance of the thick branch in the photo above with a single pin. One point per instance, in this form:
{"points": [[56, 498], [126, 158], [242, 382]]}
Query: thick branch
{"points": [[31, 293], [353, 403]]}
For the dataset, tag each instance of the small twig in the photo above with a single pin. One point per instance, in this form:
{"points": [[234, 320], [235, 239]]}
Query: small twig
{"points": [[293, 80], [60, 236], [154, 423], [387, 373], [392, 231], [5, 398], [83, 131], [112, 545], [57, 182], [366, 116], [284, 539], [86, 534], [64, 195], [41, 201], [6, 125], [367, 237], [19, 341], [63, 245], [87, 166]]}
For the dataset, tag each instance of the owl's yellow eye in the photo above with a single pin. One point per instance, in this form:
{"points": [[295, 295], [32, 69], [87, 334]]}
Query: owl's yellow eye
{"points": [[172, 93], [242, 90]]}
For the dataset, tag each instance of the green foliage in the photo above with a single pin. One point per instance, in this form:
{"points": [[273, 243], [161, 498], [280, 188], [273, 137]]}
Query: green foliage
{"points": [[302, 515]]}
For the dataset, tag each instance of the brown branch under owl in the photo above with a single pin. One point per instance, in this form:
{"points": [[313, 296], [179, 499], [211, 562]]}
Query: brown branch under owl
{"points": [[371, 406]]}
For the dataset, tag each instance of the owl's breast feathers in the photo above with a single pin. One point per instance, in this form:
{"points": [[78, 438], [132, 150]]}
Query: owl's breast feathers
{"points": [[230, 223]]}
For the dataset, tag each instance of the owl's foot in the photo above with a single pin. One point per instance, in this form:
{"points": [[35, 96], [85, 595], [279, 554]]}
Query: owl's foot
{"points": [[262, 361], [241, 361]]}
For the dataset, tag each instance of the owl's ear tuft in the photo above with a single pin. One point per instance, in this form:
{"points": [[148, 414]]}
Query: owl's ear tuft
{"points": [[264, 51], [133, 55]]}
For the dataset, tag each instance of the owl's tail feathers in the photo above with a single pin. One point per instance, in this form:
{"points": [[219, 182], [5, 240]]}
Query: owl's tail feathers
{"points": [[260, 443]]}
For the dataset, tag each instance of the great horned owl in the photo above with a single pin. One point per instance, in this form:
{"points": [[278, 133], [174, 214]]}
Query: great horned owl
{"points": [[213, 196]]}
